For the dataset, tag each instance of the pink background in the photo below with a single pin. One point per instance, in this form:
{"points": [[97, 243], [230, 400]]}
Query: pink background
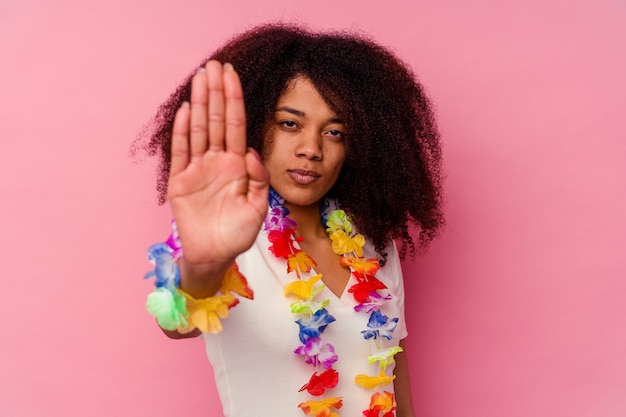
{"points": [[518, 310]]}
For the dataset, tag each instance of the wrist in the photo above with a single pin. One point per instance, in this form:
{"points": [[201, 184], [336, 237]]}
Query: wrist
{"points": [[208, 290], [202, 280]]}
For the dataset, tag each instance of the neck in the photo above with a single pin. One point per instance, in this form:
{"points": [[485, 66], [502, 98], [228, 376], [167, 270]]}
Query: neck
{"points": [[308, 219]]}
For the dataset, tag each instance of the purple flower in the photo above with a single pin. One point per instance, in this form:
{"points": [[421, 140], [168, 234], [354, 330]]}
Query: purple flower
{"points": [[314, 326], [277, 219], [375, 301], [317, 352], [173, 241], [381, 325]]}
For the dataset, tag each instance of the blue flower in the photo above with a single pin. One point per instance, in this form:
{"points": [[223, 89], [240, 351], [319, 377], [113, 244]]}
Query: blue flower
{"points": [[275, 199], [314, 325], [165, 270], [381, 325]]}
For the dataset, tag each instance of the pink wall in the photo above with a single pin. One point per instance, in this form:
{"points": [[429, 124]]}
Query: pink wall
{"points": [[516, 311]]}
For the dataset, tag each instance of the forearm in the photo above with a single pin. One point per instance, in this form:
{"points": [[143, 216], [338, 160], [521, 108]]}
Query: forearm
{"points": [[402, 385], [175, 334]]}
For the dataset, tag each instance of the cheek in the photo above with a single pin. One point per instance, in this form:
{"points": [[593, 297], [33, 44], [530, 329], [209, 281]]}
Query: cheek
{"points": [[340, 163], [341, 157]]}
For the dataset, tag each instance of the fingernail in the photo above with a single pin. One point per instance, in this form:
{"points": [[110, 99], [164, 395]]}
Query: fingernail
{"points": [[185, 104], [228, 67], [201, 69]]}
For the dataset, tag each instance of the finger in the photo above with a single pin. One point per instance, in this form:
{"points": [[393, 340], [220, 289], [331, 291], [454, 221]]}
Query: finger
{"points": [[180, 140], [255, 168], [235, 112], [216, 105], [258, 181], [198, 115]]}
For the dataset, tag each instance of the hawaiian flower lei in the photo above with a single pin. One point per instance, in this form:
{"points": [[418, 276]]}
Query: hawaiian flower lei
{"points": [[314, 318], [173, 308]]}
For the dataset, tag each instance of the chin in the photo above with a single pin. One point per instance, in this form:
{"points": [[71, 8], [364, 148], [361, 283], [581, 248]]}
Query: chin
{"points": [[299, 196]]}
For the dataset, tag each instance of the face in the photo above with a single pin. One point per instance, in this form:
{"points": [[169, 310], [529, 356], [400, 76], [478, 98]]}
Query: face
{"points": [[305, 146]]}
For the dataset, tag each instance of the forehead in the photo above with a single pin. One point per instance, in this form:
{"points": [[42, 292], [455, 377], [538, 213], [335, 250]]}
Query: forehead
{"points": [[302, 94], [299, 86]]}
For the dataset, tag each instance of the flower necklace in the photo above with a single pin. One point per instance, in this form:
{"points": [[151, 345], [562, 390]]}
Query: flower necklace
{"points": [[314, 317]]}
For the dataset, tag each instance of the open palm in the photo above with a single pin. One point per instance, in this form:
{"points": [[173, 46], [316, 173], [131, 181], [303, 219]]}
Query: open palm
{"points": [[218, 189]]}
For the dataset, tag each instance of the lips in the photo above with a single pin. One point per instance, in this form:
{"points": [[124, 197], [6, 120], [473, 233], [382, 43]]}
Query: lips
{"points": [[303, 177]]}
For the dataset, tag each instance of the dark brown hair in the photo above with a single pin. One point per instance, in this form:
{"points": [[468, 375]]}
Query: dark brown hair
{"points": [[391, 178]]}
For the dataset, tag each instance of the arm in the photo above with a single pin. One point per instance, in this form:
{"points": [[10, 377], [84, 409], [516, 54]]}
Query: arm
{"points": [[173, 334], [217, 189], [402, 385]]}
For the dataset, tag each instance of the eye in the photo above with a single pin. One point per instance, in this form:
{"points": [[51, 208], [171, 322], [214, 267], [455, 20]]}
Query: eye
{"points": [[337, 134], [289, 124]]}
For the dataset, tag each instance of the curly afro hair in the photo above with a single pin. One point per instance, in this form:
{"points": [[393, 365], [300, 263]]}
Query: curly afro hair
{"points": [[391, 180]]}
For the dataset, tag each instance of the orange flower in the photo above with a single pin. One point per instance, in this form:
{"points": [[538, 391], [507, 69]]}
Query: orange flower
{"points": [[322, 408], [235, 282], [361, 266], [300, 262], [381, 403]]}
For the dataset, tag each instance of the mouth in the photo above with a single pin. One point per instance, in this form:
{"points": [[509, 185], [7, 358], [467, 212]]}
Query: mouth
{"points": [[303, 177]]}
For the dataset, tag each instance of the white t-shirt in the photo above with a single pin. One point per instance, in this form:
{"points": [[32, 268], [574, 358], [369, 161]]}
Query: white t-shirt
{"points": [[256, 371]]}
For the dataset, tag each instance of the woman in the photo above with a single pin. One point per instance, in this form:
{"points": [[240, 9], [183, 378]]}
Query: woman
{"points": [[340, 136]]}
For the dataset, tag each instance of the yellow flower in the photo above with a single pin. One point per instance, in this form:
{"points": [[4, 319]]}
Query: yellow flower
{"points": [[371, 382], [205, 314], [343, 244], [304, 290]]}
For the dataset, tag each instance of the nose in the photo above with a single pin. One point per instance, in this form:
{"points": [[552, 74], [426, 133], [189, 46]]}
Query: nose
{"points": [[309, 145]]}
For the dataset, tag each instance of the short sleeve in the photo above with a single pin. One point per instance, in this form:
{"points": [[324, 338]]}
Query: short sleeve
{"points": [[391, 275], [398, 291]]}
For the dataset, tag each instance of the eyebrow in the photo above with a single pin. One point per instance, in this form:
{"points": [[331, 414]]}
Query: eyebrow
{"points": [[300, 113]]}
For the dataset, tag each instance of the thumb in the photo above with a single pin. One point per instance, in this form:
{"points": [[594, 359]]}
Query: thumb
{"points": [[258, 180]]}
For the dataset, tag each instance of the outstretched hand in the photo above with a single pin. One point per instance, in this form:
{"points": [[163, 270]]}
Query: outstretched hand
{"points": [[218, 189]]}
